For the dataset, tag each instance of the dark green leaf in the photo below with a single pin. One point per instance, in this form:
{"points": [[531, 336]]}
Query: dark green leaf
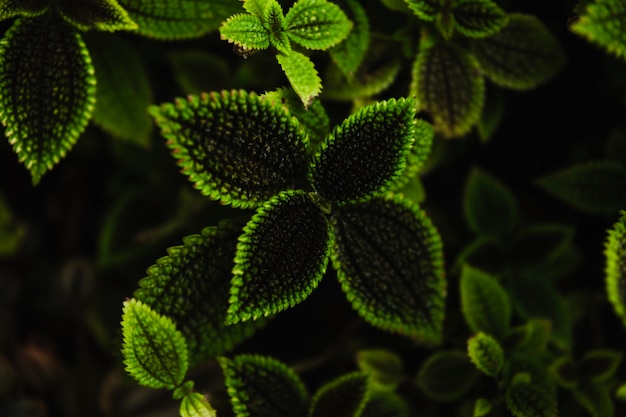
{"points": [[593, 187], [96, 14], [384, 367], [155, 353], [385, 404], [595, 399], [521, 55], [302, 75], [541, 243], [447, 375], [493, 114], [367, 152], [449, 86], [478, 18], [486, 353], [565, 372], [603, 23], [235, 146], [316, 24], [425, 9], [350, 53], [14, 8], [390, 264], [281, 257], [615, 270], [620, 392], [261, 386], [534, 369], [12, 231], [346, 396], [47, 90], [532, 337], [524, 399], [246, 32], [196, 405], [599, 365], [191, 285]]}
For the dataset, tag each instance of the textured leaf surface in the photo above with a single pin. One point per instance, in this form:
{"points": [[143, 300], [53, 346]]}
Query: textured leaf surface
{"points": [[13, 8], [478, 18], [235, 146], [179, 19], [447, 375], [595, 399], [425, 9], [615, 252], [390, 265], [316, 24], [385, 368], [196, 405], [367, 152], [191, 286], [302, 75], [281, 257], [592, 187], [155, 353], [47, 90], [96, 14], [522, 55], [525, 399], [346, 396], [486, 353], [246, 31], [604, 23], [449, 86], [349, 54], [261, 386]]}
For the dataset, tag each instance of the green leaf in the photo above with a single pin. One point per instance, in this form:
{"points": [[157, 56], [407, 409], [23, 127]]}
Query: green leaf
{"points": [[485, 253], [444, 22], [524, 399], [367, 152], [449, 86], [533, 336], [615, 270], [541, 243], [485, 304], [390, 265], [599, 365], [384, 367], [274, 22], [261, 386], [595, 399], [522, 55], [489, 206], [565, 372], [478, 18], [533, 368], [196, 405], [620, 392], [486, 353], [385, 404], [302, 75], [155, 353], [493, 114], [123, 93], [12, 231], [482, 407], [281, 257], [345, 396], [316, 24], [603, 24], [96, 14], [246, 32], [260, 7], [14, 8], [447, 375], [179, 19], [47, 90], [235, 146], [425, 9], [349, 54], [593, 187], [191, 286]]}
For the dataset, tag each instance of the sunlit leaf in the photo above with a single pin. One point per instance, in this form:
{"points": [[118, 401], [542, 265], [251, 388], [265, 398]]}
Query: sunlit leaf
{"points": [[524, 399], [47, 90], [600, 364], [447, 375], [260, 7], [615, 252], [12, 231], [14, 8], [349, 54], [478, 18], [196, 405], [316, 24], [445, 22], [595, 399], [302, 75], [385, 368], [532, 367], [425, 9], [246, 31], [345, 396], [603, 24], [486, 353], [533, 336], [96, 14]]}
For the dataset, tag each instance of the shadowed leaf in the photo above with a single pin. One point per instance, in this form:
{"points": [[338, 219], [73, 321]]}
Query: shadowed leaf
{"points": [[14, 8], [96, 14], [525, 399], [246, 31], [346, 396], [615, 271], [447, 375], [604, 23], [600, 364], [478, 18], [384, 367], [349, 54]]}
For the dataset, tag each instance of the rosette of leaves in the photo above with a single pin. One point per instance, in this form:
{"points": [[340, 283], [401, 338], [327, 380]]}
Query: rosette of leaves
{"points": [[247, 151], [312, 24]]}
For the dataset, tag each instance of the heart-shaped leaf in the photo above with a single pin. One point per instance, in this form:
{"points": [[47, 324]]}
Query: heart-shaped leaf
{"points": [[603, 23], [96, 14], [246, 31], [615, 252], [385, 404], [385, 368], [478, 18], [349, 54], [28, 8], [346, 396], [301, 74]]}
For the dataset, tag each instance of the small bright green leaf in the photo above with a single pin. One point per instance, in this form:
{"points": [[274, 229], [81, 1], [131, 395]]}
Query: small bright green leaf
{"points": [[449, 86], [603, 24], [236, 147], [246, 32], [485, 304], [259, 7], [482, 407], [447, 375], [96, 14], [196, 405], [274, 21], [390, 265], [484, 252], [385, 404], [565, 372], [367, 152], [532, 337], [316, 24], [413, 190], [595, 399], [599, 365], [444, 22], [261, 386], [486, 353], [349, 54], [489, 206], [615, 271], [524, 399], [47, 90], [345, 396], [302, 75], [593, 187], [281, 257], [493, 114], [478, 18], [425, 9], [14, 8], [155, 353], [123, 93], [521, 55], [385, 368]]}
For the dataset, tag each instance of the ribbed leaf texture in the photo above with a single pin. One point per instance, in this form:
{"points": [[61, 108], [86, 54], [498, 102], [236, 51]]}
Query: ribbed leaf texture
{"points": [[425, 9], [261, 386], [28, 8], [316, 24], [47, 90], [349, 54], [385, 368], [196, 405], [478, 18], [155, 353], [615, 253], [449, 86], [603, 23], [179, 19], [524, 399], [485, 304], [96, 14], [390, 265], [281, 257], [595, 399], [486, 353], [600, 365], [346, 396], [592, 187], [447, 375], [246, 31], [124, 92], [522, 55], [191, 286], [301, 74], [385, 404], [367, 152], [235, 146]]}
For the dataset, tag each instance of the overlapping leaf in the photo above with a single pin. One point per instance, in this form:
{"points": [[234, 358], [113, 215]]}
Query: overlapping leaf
{"points": [[301, 74], [246, 31], [425, 9], [615, 252], [316, 24], [486, 353], [603, 23], [525, 399], [447, 375], [196, 405], [349, 54], [13, 8], [47, 90], [345, 396], [96, 14], [478, 18]]}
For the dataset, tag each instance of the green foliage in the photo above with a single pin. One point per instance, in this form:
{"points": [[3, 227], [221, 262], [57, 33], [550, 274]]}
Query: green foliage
{"points": [[349, 54], [425, 9], [595, 399], [603, 24], [486, 353], [525, 399], [385, 368], [196, 405], [615, 270], [96, 14], [447, 375], [385, 404], [478, 18], [600, 365], [345, 396], [13, 8]]}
